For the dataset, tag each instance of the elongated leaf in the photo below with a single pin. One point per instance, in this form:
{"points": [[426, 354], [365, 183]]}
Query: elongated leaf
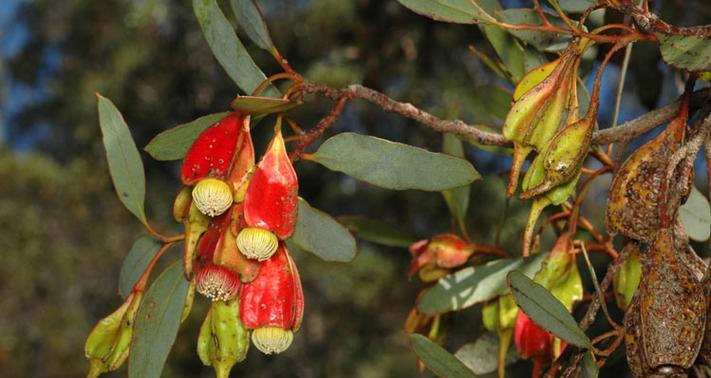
{"points": [[393, 165], [136, 262], [251, 20], [261, 105], [473, 285], [377, 231], [588, 368], [456, 11], [576, 6], [457, 199], [696, 216], [686, 52], [438, 360], [157, 323], [174, 143], [228, 49], [546, 311], [125, 162], [481, 355], [318, 233]]}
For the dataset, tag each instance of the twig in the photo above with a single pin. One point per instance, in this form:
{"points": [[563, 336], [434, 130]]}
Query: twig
{"points": [[319, 129], [627, 131]]}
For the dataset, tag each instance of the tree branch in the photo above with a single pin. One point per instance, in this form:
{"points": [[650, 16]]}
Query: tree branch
{"points": [[625, 132]]}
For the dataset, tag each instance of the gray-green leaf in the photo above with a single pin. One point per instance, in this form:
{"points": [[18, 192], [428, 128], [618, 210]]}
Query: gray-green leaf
{"points": [[318, 233], [686, 52], [136, 262], [438, 360], [457, 11], [261, 105], [174, 143], [125, 163], [157, 323], [473, 285], [457, 199], [228, 49], [481, 355], [539, 39], [377, 231], [696, 216], [545, 310], [251, 20], [393, 165]]}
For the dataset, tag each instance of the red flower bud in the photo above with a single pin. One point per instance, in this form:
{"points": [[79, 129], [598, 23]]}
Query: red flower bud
{"points": [[212, 152], [273, 304], [243, 165], [272, 195], [532, 341], [443, 250]]}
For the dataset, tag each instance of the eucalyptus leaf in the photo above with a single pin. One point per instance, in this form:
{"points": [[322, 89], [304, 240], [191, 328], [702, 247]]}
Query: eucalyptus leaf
{"points": [[473, 285], [377, 231], [695, 215], [250, 18], [576, 6], [318, 233], [157, 323], [261, 105], [438, 360], [228, 49], [539, 39], [136, 262], [588, 367], [393, 165], [545, 310], [125, 163], [457, 199], [456, 11], [686, 52], [174, 143]]}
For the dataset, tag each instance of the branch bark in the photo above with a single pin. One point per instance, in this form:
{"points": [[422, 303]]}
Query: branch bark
{"points": [[625, 132]]}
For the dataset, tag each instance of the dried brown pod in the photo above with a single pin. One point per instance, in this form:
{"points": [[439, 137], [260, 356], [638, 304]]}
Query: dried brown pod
{"points": [[705, 352], [665, 324]]}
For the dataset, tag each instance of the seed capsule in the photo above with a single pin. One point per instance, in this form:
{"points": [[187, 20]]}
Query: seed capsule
{"points": [[223, 340]]}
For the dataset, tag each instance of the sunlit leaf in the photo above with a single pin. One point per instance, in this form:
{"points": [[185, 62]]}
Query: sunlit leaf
{"points": [[228, 49], [251, 20], [473, 285], [318, 233], [696, 216], [136, 262], [377, 231], [480, 356], [393, 165], [438, 360], [686, 52], [545, 310], [157, 323], [174, 143], [125, 163], [457, 11]]}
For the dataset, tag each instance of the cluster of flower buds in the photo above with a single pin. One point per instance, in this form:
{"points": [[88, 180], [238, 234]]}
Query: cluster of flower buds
{"points": [[237, 216], [559, 274]]}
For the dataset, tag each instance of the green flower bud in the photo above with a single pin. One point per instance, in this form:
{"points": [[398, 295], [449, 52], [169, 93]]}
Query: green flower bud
{"points": [[223, 341]]}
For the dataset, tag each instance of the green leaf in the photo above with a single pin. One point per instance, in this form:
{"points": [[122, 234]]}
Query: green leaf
{"points": [[228, 49], [261, 105], [456, 11], [393, 165], [136, 263], [473, 285], [576, 6], [438, 360], [481, 355], [588, 368], [318, 233], [686, 52], [157, 323], [696, 216], [545, 310], [539, 39], [174, 143], [457, 199], [125, 163], [377, 231], [250, 18]]}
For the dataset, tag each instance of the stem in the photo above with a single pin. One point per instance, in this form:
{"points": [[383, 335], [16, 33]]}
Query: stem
{"points": [[319, 129], [271, 79], [620, 87], [141, 283], [601, 296]]}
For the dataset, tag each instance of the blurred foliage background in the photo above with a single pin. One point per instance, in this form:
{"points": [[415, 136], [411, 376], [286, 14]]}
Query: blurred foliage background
{"points": [[64, 233]]}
